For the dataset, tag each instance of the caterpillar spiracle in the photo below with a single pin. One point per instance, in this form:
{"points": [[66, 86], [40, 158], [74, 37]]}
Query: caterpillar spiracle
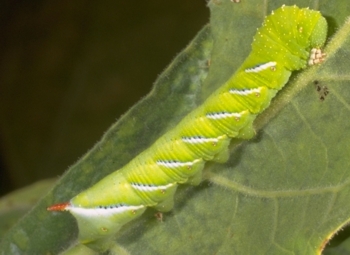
{"points": [[289, 39]]}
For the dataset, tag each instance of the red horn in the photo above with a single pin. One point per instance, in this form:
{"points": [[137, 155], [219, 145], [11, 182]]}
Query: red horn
{"points": [[58, 207]]}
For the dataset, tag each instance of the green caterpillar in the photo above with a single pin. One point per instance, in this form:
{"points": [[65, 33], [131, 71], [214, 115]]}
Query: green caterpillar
{"points": [[289, 39]]}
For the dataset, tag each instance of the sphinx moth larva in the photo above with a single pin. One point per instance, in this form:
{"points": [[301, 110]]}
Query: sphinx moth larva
{"points": [[289, 39]]}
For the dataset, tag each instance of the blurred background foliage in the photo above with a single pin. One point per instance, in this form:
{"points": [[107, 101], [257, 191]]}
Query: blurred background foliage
{"points": [[69, 69]]}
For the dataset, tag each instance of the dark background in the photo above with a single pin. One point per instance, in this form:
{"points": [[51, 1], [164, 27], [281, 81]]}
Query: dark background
{"points": [[70, 68]]}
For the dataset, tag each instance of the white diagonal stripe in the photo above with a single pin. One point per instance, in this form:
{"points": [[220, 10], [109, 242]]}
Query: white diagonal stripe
{"points": [[174, 163], [199, 139], [103, 210], [222, 115], [260, 67], [245, 92], [150, 187]]}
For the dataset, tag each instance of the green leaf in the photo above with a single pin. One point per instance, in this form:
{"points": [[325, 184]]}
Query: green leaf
{"points": [[14, 205], [174, 95], [284, 192]]}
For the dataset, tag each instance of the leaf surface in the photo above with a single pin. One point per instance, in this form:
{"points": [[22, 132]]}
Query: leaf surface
{"points": [[284, 192]]}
